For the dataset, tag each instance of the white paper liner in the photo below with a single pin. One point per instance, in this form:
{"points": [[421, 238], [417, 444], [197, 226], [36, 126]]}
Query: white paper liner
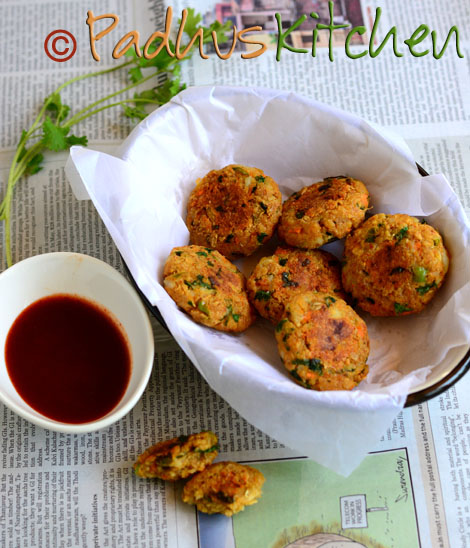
{"points": [[142, 198]]}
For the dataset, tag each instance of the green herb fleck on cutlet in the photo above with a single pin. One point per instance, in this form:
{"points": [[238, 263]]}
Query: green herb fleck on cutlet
{"points": [[371, 236], [286, 281], [296, 376], [402, 233], [329, 301], [280, 324], [203, 307], [261, 295], [401, 308], [210, 450], [419, 274], [239, 169], [198, 282], [422, 290], [313, 364], [229, 313]]}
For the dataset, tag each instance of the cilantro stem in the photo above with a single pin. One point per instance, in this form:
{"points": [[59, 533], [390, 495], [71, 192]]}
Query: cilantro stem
{"points": [[13, 177], [92, 75], [16, 172], [8, 233], [123, 102], [21, 166], [78, 116], [41, 113]]}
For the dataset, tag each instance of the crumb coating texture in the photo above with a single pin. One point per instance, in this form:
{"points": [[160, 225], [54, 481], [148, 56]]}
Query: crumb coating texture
{"points": [[289, 272], [323, 212], [323, 343], [234, 210], [224, 488], [394, 264]]}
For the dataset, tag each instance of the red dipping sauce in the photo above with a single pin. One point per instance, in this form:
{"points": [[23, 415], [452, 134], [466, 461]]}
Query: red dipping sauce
{"points": [[68, 358]]}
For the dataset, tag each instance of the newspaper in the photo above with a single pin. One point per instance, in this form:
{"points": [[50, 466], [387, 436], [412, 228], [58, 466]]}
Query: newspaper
{"points": [[80, 491]]}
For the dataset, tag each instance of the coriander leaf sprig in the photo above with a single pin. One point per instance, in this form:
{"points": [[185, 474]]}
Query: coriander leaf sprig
{"points": [[51, 129]]}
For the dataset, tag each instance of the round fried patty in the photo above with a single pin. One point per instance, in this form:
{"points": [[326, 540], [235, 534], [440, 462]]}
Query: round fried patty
{"points": [[323, 343], [322, 212], [394, 264], [278, 278], [208, 287], [234, 210]]}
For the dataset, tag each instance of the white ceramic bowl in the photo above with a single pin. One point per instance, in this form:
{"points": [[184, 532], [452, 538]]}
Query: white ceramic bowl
{"points": [[73, 273]]}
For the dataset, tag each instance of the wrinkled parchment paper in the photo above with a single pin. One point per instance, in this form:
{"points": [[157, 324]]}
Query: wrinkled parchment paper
{"points": [[142, 194]]}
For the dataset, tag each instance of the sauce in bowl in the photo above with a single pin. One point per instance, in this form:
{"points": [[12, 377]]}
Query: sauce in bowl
{"points": [[68, 358]]}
